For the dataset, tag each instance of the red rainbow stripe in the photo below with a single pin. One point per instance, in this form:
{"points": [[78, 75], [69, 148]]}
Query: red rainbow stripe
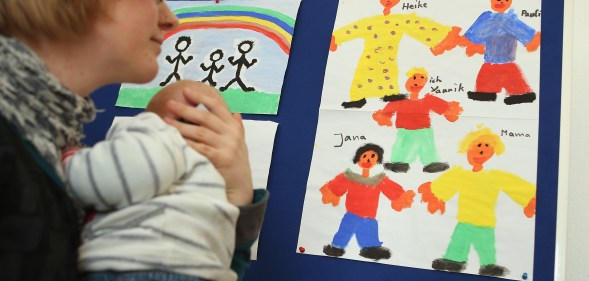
{"points": [[282, 42]]}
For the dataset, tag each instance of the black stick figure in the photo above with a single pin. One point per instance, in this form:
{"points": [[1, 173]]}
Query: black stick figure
{"points": [[181, 46], [216, 56], [244, 48]]}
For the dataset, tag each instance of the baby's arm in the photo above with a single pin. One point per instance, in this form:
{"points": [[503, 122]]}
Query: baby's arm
{"points": [[139, 159]]}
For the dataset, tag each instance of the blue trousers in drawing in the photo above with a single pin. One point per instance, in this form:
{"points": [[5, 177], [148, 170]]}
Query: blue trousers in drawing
{"points": [[365, 229]]}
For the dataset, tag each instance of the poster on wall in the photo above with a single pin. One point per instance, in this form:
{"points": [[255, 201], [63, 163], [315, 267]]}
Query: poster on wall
{"points": [[426, 148], [240, 47]]}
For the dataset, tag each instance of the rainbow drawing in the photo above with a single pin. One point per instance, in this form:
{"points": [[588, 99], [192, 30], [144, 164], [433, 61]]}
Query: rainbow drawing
{"points": [[275, 25]]}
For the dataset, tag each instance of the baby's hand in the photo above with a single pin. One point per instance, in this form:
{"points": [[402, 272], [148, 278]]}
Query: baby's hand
{"points": [[204, 120]]}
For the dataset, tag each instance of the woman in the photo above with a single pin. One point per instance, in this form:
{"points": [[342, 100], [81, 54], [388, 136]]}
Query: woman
{"points": [[53, 54]]}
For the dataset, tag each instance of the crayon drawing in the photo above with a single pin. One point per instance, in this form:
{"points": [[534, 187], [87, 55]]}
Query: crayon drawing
{"points": [[415, 137], [362, 195], [452, 56], [477, 190], [345, 213], [495, 34], [239, 47], [377, 70]]}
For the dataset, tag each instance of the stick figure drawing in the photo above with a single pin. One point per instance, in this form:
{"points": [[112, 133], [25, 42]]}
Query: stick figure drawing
{"points": [[244, 48], [182, 44], [215, 56]]}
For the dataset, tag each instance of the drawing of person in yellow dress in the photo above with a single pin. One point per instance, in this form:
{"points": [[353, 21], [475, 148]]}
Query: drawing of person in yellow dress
{"points": [[376, 74], [478, 190]]}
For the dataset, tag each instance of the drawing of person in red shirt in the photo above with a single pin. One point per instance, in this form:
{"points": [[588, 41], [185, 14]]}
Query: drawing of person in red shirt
{"points": [[362, 195], [415, 137]]}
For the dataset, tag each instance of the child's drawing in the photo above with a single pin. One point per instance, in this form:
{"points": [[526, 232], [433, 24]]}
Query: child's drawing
{"points": [[243, 48], [496, 34], [181, 45], [415, 137], [377, 70], [215, 56], [362, 195], [373, 45], [240, 46], [477, 190]]}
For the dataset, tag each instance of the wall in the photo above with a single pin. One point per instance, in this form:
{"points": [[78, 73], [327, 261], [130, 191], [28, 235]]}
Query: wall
{"points": [[577, 231]]}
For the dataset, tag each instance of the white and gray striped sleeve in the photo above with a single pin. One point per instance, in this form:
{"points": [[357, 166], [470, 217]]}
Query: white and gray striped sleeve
{"points": [[138, 161]]}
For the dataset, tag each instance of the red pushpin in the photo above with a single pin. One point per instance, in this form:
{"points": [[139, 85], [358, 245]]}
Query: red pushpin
{"points": [[217, 1]]}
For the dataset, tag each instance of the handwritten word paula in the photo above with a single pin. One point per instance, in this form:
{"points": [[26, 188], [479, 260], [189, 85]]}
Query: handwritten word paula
{"points": [[514, 134], [535, 14], [418, 5], [341, 138]]}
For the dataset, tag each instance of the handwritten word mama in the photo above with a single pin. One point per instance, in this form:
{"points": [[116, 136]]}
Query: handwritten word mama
{"points": [[514, 134], [535, 14], [418, 5], [346, 138]]}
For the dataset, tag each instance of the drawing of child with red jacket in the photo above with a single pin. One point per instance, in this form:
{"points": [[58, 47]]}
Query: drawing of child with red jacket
{"points": [[362, 195]]}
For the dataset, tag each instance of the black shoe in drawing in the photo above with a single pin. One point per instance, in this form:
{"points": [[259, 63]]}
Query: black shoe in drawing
{"points": [[517, 99], [333, 251], [397, 167], [493, 270], [394, 97], [375, 253], [448, 265], [482, 96], [435, 167], [354, 104]]}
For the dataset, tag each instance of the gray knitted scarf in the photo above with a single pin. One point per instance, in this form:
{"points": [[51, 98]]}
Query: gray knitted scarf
{"points": [[43, 110]]}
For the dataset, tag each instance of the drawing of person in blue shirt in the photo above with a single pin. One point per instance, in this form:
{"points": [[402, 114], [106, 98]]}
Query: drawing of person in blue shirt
{"points": [[495, 34]]}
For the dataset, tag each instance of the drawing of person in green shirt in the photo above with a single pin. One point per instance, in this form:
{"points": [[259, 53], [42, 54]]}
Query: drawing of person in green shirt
{"points": [[376, 74], [477, 190]]}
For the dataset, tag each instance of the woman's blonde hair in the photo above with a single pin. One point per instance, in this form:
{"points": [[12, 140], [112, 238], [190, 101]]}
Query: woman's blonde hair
{"points": [[483, 134], [49, 18]]}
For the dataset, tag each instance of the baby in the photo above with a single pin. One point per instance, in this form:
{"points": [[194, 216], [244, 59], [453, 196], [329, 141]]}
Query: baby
{"points": [[162, 206]]}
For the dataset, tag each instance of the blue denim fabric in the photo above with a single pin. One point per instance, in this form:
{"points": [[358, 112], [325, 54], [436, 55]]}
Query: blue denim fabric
{"points": [[137, 276], [366, 230]]}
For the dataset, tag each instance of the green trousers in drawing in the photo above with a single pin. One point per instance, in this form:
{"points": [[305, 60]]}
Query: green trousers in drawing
{"points": [[482, 239], [412, 143]]}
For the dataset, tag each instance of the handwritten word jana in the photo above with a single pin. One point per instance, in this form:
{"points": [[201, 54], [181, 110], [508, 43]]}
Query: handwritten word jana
{"points": [[347, 138]]}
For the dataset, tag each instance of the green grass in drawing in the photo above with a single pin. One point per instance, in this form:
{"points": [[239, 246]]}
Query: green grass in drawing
{"points": [[249, 102]]}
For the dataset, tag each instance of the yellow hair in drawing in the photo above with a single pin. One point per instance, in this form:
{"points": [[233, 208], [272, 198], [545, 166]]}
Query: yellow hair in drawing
{"points": [[483, 134], [417, 70]]}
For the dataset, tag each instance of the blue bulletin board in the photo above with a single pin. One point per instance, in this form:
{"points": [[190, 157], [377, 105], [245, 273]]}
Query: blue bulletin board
{"points": [[297, 117]]}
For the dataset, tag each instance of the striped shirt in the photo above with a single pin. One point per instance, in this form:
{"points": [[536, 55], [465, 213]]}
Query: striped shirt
{"points": [[162, 205]]}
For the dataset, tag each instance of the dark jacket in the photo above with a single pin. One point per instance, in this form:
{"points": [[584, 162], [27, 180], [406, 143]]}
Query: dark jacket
{"points": [[39, 233]]}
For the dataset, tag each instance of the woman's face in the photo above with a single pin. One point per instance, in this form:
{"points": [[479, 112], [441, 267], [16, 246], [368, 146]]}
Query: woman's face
{"points": [[130, 36]]}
